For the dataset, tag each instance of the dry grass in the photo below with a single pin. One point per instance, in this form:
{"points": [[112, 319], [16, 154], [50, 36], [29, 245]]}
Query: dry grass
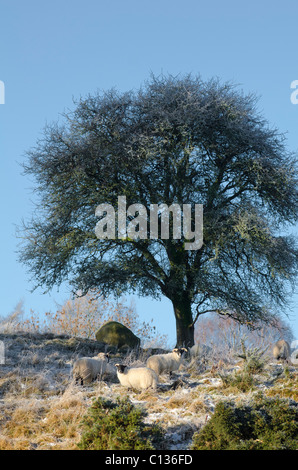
{"points": [[40, 407], [42, 423], [285, 387]]}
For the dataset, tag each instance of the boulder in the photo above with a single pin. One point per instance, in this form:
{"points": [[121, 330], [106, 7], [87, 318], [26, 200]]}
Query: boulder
{"points": [[115, 334]]}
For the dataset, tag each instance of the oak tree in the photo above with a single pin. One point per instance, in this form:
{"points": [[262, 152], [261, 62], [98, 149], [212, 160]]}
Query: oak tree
{"points": [[175, 140]]}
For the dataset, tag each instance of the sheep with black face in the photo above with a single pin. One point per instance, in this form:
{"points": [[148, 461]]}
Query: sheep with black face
{"points": [[169, 362]]}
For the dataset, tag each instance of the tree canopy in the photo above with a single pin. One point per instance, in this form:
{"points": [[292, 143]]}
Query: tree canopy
{"points": [[175, 140]]}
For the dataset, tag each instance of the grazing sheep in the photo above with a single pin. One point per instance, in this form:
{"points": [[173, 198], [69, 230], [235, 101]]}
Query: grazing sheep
{"points": [[282, 350], [166, 362], [87, 369], [138, 377]]}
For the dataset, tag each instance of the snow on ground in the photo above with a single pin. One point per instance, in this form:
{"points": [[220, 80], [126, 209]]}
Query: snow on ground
{"points": [[41, 407]]}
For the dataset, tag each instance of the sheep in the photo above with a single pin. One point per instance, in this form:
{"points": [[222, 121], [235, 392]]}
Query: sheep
{"points": [[166, 362], [138, 377], [87, 369], [281, 350], [110, 371]]}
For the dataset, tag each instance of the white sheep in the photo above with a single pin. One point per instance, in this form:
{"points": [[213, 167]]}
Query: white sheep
{"points": [[87, 369], [281, 350], [137, 377], [169, 362]]}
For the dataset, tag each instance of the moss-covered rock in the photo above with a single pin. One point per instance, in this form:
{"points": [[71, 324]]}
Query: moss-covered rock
{"points": [[115, 334]]}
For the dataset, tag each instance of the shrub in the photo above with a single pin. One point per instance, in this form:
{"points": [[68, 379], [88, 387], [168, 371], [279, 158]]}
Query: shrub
{"points": [[81, 317], [225, 334], [239, 381], [266, 425], [254, 360], [117, 426]]}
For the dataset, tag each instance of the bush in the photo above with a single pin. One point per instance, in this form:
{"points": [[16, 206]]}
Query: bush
{"points": [[269, 424], [254, 360], [117, 426], [81, 317], [239, 381]]}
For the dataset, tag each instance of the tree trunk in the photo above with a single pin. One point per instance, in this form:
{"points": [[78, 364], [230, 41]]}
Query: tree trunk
{"points": [[183, 315]]}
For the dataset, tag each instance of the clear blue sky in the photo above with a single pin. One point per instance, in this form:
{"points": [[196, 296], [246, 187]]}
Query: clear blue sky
{"points": [[52, 52]]}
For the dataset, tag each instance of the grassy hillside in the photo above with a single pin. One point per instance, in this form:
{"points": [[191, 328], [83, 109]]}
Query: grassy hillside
{"points": [[42, 408]]}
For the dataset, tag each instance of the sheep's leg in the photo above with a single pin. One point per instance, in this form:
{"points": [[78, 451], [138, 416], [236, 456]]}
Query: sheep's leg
{"points": [[79, 379]]}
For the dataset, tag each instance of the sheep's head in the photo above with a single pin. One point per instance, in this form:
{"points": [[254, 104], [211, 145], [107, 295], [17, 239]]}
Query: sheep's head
{"points": [[180, 351], [121, 368], [102, 355]]}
